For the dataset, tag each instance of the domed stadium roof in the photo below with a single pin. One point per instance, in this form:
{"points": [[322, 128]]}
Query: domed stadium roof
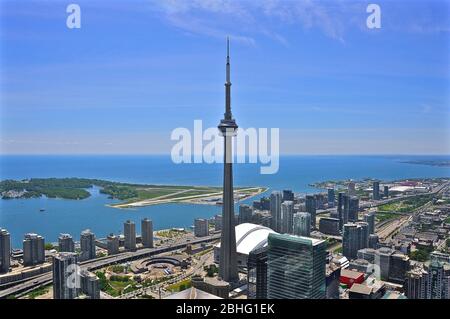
{"points": [[250, 236]]}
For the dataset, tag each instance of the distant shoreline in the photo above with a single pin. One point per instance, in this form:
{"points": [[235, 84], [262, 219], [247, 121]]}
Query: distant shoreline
{"points": [[438, 163]]}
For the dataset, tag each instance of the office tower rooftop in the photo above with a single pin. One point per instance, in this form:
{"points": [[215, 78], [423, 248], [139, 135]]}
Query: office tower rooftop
{"points": [[33, 249], [87, 245], [288, 195], [245, 213], [376, 190], [296, 267], [355, 237], [201, 227], [129, 231], [65, 243], [112, 244], [147, 233]]}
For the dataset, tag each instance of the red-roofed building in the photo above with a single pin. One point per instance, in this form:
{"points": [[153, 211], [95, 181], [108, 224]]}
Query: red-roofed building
{"points": [[349, 277]]}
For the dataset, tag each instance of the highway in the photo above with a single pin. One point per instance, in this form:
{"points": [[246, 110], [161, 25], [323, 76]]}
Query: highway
{"points": [[436, 190], [95, 264], [386, 230]]}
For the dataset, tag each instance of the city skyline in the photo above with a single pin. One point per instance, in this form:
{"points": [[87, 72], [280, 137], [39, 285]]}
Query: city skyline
{"points": [[314, 70], [398, 236], [351, 97]]}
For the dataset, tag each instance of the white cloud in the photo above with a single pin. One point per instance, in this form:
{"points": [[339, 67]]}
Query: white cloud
{"points": [[244, 18]]}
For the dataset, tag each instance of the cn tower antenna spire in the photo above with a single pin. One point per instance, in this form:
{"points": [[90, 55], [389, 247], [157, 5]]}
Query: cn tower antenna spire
{"points": [[228, 115], [228, 49]]}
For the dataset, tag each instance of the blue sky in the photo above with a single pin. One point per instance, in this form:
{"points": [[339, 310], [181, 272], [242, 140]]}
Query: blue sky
{"points": [[138, 69]]}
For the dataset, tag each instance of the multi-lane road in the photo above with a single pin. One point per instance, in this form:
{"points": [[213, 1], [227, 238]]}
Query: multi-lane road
{"points": [[386, 230], [95, 264], [435, 190]]}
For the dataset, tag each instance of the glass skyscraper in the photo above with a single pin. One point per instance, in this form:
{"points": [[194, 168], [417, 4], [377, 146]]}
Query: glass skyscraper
{"points": [[353, 209], [310, 203], [257, 273], [296, 267], [87, 245], [355, 237], [287, 217], [275, 209], [331, 197], [33, 249], [302, 224]]}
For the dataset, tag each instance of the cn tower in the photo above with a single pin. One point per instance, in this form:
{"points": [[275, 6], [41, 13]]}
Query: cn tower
{"points": [[228, 127]]}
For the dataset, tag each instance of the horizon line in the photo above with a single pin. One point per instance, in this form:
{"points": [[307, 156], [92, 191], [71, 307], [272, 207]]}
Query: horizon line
{"points": [[168, 154]]}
